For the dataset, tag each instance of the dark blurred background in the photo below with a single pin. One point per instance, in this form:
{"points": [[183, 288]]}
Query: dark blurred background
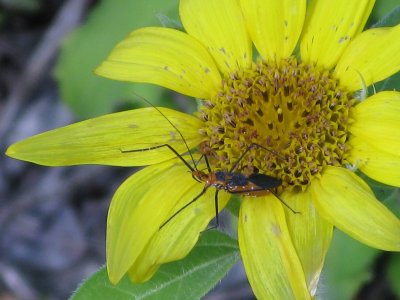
{"points": [[52, 220]]}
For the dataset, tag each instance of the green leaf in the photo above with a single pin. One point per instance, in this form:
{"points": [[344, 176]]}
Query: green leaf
{"points": [[393, 203], [387, 19], [381, 190], [389, 84], [394, 273], [87, 94], [190, 278], [348, 266], [234, 205], [388, 15]]}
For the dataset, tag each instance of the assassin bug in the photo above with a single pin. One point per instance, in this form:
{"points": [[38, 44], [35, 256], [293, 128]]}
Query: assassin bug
{"points": [[233, 182]]}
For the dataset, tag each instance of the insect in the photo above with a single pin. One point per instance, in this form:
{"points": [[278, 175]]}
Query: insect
{"points": [[255, 184], [231, 181]]}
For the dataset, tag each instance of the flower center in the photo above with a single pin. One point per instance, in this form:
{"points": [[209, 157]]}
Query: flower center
{"points": [[298, 113]]}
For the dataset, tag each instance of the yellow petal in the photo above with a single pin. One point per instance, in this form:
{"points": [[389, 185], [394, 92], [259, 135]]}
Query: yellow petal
{"points": [[103, 140], [373, 56], [177, 238], [330, 27], [165, 57], [377, 121], [344, 199], [374, 162], [220, 26], [274, 26], [137, 210], [311, 235], [270, 260]]}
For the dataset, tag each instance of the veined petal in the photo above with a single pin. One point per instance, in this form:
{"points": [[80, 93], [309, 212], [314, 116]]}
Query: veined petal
{"points": [[165, 57], [138, 209], [371, 57], [177, 238], [274, 26], [377, 121], [374, 162], [311, 235], [105, 139], [329, 28], [220, 26], [345, 199], [270, 260]]}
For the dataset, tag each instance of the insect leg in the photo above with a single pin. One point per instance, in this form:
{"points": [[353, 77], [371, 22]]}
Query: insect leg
{"points": [[160, 146], [216, 211], [273, 193], [186, 205], [284, 203], [269, 150], [235, 165], [253, 145], [216, 207]]}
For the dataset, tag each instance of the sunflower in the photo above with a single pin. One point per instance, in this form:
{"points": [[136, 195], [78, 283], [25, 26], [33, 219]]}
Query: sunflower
{"points": [[296, 96]]}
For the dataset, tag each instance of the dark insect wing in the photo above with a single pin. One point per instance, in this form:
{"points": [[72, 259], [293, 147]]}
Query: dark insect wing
{"points": [[238, 179], [264, 181], [220, 176]]}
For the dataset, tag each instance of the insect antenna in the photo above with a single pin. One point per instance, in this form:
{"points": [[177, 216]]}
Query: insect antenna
{"points": [[176, 128]]}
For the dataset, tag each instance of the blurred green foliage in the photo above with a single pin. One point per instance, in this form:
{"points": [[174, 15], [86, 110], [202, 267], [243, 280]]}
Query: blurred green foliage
{"points": [[394, 274], [21, 5], [348, 266], [382, 8], [85, 93]]}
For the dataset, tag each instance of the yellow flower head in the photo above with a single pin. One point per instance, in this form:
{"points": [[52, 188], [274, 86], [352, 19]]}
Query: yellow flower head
{"points": [[298, 104]]}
